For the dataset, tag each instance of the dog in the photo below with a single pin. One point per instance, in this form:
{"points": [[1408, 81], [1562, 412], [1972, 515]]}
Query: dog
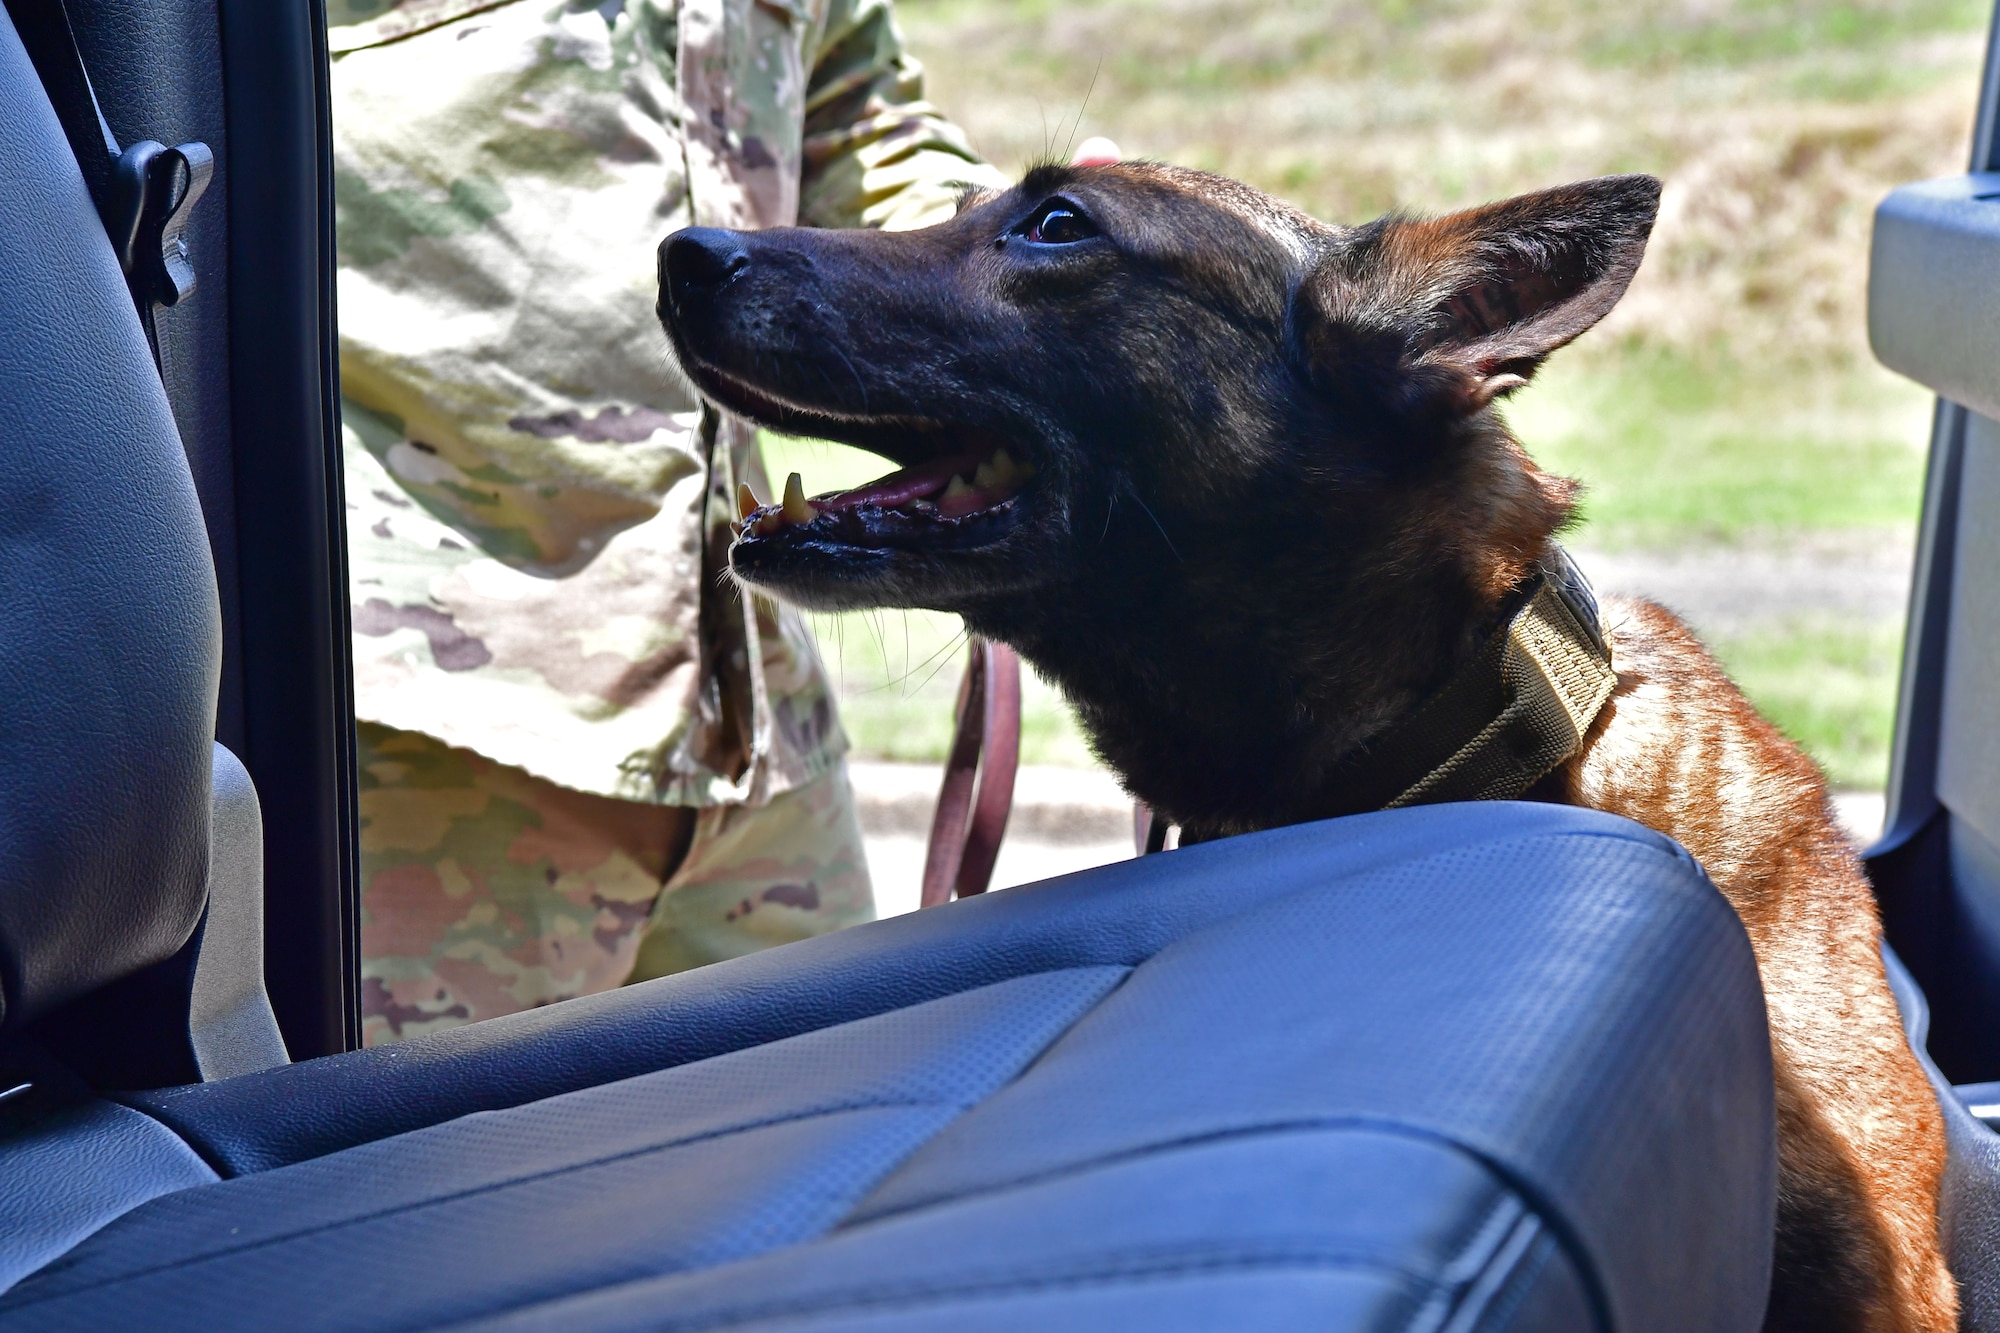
{"points": [[1234, 480]]}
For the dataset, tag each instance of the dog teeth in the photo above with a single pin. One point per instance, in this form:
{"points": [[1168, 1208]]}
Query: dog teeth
{"points": [[993, 482], [1002, 473], [747, 502], [795, 508]]}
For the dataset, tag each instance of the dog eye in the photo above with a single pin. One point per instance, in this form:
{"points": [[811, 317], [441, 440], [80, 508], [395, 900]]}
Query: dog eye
{"points": [[1059, 223]]}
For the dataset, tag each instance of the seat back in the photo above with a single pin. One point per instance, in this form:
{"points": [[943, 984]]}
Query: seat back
{"points": [[131, 851], [249, 363], [111, 641]]}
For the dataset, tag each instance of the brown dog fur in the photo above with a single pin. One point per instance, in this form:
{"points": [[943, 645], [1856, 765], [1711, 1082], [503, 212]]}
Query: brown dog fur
{"points": [[1274, 509], [1860, 1141]]}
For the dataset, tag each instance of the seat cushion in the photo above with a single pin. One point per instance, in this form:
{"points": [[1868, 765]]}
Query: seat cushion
{"points": [[1383, 1072], [1320, 1227], [684, 1168]]}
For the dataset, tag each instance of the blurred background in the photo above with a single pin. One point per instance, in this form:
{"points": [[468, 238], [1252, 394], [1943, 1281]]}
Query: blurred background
{"points": [[1746, 461]]}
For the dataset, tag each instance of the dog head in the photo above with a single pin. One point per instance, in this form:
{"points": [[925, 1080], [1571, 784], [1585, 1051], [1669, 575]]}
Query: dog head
{"points": [[1166, 435], [1133, 334]]}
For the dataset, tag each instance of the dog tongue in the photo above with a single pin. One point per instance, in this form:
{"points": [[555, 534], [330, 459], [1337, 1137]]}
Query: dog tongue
{"points": [[900, 488]]}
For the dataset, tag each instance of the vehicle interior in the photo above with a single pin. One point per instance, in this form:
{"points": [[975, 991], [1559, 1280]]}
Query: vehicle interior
{"points": [[1479, 1066]]}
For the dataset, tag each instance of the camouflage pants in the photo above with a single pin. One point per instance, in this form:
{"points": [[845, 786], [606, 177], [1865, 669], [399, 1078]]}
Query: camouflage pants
{"points": [[486, 890]]}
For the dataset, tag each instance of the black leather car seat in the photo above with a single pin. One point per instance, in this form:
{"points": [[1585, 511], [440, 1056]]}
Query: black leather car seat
{"points": [[1503, 1065]]}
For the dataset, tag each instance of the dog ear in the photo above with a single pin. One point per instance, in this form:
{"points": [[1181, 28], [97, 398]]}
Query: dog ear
{"points": [[1443, 315]]}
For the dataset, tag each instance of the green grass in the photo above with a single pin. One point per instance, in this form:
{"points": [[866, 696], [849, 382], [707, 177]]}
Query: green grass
{"points": [[1829, 685], [1677, 449], [1662, 36]]}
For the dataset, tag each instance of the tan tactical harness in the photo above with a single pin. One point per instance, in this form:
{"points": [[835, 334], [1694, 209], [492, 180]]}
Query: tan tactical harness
{"points": [[1509, 717]]}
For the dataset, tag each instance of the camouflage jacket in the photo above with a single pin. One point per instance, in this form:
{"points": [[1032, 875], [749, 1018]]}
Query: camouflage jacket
{"points": [[538, 504]]}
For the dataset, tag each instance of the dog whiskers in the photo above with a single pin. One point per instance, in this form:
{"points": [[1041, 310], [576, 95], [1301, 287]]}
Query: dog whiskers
{"points": [[944, 655], [1156, 523], [941, 652], [834, 347]]}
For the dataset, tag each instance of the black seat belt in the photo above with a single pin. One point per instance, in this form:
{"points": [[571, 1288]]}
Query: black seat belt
{"points": [[144, 193]]}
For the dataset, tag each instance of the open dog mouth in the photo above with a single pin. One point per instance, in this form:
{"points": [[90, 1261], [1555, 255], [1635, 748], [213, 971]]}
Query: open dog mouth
{"points": [[968, 499]]}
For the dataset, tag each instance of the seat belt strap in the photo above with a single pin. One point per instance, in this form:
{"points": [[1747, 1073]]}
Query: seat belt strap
{"points": [[45, 31]]}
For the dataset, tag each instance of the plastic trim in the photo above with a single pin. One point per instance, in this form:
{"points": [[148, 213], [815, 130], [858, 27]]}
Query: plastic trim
{"points": [[299, 705]]}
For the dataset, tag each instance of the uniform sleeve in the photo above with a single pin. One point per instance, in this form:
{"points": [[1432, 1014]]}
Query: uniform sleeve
{"points": [[877, 154]]}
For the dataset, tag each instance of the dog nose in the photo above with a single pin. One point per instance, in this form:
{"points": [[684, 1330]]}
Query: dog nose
{"points": [[696, 261]]}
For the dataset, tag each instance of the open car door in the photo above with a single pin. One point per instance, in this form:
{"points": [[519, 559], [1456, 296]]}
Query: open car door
{"points": [[1934, 315]]}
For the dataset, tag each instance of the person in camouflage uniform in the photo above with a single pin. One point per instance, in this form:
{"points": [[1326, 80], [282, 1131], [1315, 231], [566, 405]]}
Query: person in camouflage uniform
{"points": [[584, 758]]}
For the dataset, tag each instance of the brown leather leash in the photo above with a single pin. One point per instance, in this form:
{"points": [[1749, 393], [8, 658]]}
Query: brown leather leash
{"points": [[977, 794], [1149, 831]]}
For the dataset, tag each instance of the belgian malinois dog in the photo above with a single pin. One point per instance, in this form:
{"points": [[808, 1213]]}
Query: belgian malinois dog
{"points": [[1233, 478]]}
